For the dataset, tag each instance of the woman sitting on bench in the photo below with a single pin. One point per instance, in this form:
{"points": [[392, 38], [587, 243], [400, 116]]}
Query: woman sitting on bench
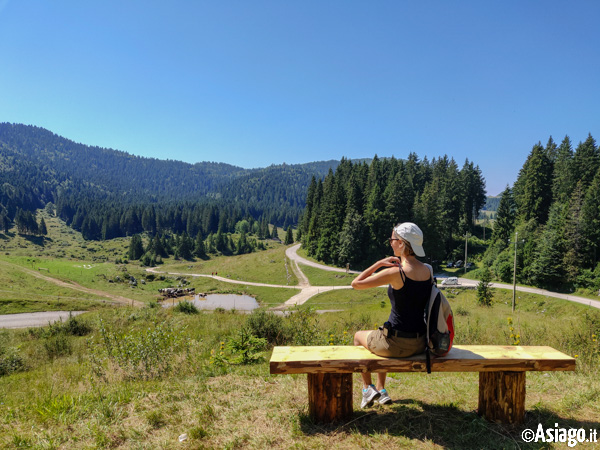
{"points": [[409, 286]]}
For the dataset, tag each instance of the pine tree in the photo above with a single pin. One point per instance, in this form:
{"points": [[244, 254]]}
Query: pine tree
{"points": [[289, 236], [42, 229], [351, 243], [591, 219], [399, 199], [184, 247], [505, 218], [547, 267], [586, 161], [485, 295], [429, 217], [136, 247], [574, 235], [563, 181], [199, 248], [533, 188]]}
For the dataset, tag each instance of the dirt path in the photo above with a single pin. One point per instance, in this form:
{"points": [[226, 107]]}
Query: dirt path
{"points": [[77, 287]]}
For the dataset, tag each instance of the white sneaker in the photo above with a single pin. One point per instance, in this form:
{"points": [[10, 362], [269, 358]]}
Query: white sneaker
{"points": [[369, 395], [385, 397]]}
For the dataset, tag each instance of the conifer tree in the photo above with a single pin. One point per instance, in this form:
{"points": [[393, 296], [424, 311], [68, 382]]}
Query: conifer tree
{"points": [[184, 247], [563, 181], [533, 189], [199, 248], [586, 161], [505, 218], [42, 229], [136, 247], [547, 266], [351, 242], [591, 219], [574, 237], [289, 236]]}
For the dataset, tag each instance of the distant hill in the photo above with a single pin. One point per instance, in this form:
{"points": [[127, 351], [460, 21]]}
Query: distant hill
{"points": [[492, 203], [38, 166]]}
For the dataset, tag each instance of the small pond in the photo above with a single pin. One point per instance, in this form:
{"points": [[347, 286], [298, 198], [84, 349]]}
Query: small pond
{"points": [[225, 301]]}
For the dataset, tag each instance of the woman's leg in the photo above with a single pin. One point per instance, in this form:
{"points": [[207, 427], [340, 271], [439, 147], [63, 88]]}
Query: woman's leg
{"points": [[360, 338]]}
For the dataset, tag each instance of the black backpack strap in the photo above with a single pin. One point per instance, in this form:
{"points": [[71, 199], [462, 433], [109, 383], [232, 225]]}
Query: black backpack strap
{"points": [[428, 359], [402, 275]]}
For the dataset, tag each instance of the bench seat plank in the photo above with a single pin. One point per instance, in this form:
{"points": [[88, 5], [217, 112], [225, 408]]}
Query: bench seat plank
{"points": [[462, 358]]}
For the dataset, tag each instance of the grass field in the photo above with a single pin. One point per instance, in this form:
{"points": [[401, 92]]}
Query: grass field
{"points": [[59, 401], [135, 378], [65, 256]]}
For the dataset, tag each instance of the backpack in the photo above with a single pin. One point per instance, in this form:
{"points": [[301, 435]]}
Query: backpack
{"points": [[440, 323]]}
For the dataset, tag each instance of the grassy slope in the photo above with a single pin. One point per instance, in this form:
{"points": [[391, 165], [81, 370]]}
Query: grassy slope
{"points": [[64, 255], [59, 403]]}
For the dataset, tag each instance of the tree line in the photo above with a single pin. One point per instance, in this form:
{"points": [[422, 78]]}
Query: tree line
{"points": [[552, 213], [350, 214], [106, 193]]}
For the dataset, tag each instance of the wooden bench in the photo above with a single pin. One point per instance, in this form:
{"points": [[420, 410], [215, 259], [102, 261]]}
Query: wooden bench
{"points": [[501, 374]]}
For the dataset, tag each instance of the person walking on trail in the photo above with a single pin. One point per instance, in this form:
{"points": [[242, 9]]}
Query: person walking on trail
{"points": [[409, 287]]}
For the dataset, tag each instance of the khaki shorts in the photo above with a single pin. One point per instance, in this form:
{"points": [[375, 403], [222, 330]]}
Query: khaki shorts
{"points": [[395, 347]]}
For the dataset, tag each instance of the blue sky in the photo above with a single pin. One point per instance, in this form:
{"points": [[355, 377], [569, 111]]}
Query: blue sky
{"points": [[255, 83]]}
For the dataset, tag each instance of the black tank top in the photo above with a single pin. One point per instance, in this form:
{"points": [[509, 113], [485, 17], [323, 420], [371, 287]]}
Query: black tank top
{"points": [[408, 305]]}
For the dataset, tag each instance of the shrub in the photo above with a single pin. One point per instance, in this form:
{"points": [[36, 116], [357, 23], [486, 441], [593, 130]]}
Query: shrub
{"points": [[144, 354], [58, 345], [484, 290], [246, 346], [76, 326], [10, 362], [186, 307], [303, 325], [268, 326]]}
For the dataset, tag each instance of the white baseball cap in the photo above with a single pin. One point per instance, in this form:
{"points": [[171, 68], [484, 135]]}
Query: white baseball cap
{"points": [[412, 234]]}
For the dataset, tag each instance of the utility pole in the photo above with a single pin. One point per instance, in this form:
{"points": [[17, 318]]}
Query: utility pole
{"points": [[515, 274], [466, 240]]}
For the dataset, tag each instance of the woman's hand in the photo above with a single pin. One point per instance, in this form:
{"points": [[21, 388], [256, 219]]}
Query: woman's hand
{"points": [[390, 261], [371, 278]]}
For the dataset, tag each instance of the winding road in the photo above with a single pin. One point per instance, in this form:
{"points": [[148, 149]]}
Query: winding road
{"points": [[304, 288], [307, 290]]}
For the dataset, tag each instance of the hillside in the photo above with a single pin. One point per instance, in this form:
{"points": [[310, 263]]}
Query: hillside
{"points": [[38, 167]]}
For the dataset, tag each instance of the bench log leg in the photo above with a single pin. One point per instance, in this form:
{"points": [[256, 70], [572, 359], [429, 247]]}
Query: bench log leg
{"points": [[329, 396], [502, 396]]}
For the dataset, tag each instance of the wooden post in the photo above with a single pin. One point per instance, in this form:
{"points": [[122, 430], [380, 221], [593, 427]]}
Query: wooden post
{"points": [[502, 396], [329, 396]]}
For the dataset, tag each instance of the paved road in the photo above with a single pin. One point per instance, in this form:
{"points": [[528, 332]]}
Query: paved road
{"points": [[37, 319]]}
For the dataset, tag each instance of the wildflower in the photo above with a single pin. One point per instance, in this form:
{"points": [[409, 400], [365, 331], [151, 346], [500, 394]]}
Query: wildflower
{"points": [[345, 332], [576, 356], [509, 320], [512, 336]]}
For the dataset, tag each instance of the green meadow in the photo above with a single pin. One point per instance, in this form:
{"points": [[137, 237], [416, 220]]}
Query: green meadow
{"points": [[152, 377]]}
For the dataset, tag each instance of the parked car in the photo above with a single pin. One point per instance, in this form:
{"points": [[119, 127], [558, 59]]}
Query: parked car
{"points": [[469, 265], [458, 263], [449, 264], [450, 281]]}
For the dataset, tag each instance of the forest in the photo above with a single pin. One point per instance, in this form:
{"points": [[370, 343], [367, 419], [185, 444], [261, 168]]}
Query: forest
{"points": [[350, 214], [551, 216], [106, 193]]}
